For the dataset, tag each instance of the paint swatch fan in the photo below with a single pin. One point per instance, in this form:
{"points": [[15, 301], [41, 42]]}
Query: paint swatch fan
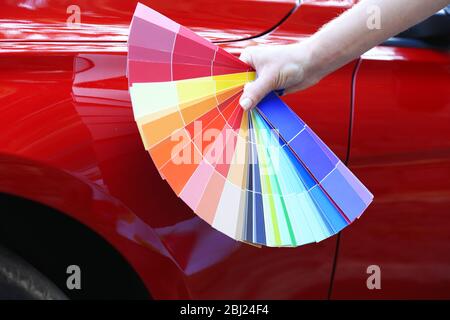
{"points": [[261, 176]]}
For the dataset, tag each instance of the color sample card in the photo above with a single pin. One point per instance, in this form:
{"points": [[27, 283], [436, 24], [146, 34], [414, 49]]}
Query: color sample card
{"points": [[260, 176]]}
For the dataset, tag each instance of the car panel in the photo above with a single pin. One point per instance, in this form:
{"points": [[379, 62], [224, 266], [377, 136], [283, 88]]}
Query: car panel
{"points": [[69, 115], [400, 149], [66, 114], [85, 20]]}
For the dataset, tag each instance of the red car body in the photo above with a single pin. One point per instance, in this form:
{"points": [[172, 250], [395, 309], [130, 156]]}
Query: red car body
{"points": [[68, 141]]}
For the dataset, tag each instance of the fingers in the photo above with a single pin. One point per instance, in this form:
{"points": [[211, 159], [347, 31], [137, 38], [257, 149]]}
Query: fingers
{"points": [[255, 91]]}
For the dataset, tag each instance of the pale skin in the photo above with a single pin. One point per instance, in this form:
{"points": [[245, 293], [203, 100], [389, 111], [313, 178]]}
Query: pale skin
{"points": [[300, 65]]}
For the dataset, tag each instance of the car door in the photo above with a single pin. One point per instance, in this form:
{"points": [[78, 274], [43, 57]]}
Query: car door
{"points": [[400, 148]]}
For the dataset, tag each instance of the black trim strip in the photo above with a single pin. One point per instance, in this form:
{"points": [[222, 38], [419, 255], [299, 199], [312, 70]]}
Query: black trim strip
{"points": [[297, 5], [415, 43], [346, 160]]}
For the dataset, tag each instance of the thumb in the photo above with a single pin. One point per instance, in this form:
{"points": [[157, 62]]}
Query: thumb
{"points": [[247, 56], [255, 91]]}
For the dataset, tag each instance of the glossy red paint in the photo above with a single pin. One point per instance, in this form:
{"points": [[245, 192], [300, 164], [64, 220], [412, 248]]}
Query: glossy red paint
{"points": [[108, 20], [401, 150], [69, 141], [67, 121]]}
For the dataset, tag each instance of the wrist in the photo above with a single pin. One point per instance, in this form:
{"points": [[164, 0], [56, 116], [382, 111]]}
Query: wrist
{"points": [[308, 56], [320, 60]]}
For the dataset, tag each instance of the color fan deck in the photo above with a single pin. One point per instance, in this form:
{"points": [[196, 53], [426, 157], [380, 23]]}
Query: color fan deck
{"points": [[260, 176]]}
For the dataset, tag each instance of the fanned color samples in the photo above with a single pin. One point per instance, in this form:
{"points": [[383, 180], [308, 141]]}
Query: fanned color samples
{"points": [[261, 176]]}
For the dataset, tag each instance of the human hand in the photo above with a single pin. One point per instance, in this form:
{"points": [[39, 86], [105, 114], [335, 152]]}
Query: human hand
{"points": [[301, 65], [288, 67]]}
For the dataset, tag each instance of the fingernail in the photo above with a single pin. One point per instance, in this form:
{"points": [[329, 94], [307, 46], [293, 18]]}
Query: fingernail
{"points": [[246, 103]]}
